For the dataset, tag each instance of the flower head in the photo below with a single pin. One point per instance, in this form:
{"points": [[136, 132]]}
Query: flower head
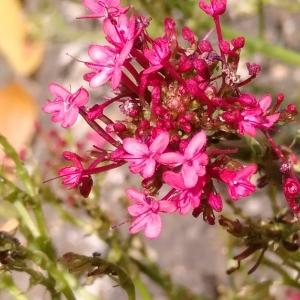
{"points": [[104, 8], [193, 160], [141, 157], [215, 8], [238, 182], [158, 55], [146, 211], [64, 108], [106, 65], [185, 198]]}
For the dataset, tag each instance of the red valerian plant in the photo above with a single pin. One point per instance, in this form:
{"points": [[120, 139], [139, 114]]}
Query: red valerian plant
{"points": [[181, 103]]}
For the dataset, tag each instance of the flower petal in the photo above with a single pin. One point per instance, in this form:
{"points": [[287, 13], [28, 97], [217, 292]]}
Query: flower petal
{"points": [[160, 143], [174, 180], [81, 97], [138, 223], [149, 168], [171, 159], [189, 175], [167, 206], [136, 196], [195, 145], [101, 78], [58, 91], [135, 147], [265, 102], [153, 226]]}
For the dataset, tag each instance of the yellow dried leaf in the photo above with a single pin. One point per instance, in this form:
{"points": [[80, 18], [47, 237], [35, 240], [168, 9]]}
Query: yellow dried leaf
{"points": [[10, 226], [24, 54], [18, 115]]}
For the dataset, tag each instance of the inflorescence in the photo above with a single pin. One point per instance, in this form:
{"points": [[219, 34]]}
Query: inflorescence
{"points": [[181, 102]]}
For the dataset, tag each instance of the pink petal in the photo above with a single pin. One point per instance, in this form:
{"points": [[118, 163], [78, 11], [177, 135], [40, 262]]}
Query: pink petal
{"points": [[227, 175], [171, 159], [136, 196], [200, 163], [100, 54], [110, 31], [160, 143], [124, 53], [134, 147], [81, 97], [246, 172], [53, 106], [70, 117], [215, 201], [93, 6], [189, 175], [247, 128], [153, 226], [100, 78], [137, 209], [153, 69], [113, 3], [167, 206], [195, 145], [174, 180], [271, 120], [138, 223], [149, 168], [116, 78], [265, 102], [58, 91]]}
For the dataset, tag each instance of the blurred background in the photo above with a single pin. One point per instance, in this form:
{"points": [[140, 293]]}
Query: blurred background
{"points": [[37, 40]]}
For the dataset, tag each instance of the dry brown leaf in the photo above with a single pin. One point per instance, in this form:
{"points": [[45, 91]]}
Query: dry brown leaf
{"points": [[18, 115], [23, 54]]}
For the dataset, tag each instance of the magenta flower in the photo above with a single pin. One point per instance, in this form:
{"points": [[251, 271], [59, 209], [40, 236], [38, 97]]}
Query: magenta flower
{"points": [[215, 8], [64, 108], [193, 160], [158, 56], [142, 158], [257, 118], [238, 182], [146, 212], [72, 175], [185, 198], [104, 8], [106, 65], [120, 31], [215, 201]]}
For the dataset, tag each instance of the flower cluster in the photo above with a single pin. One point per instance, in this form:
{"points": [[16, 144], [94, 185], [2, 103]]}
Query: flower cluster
{"points": [[183, 107]]}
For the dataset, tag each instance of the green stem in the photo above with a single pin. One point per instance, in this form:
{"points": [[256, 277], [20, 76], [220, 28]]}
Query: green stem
{"points": [[8, 283], [142, 288]]}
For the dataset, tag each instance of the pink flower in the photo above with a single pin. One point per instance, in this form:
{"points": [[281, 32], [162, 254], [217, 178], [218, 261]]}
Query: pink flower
{"points": [[104, 8], [65, 105], [215, 8], [120, 32], [146, 212], [193, 160], [185, 198], [215, 201], [158, 56], [253, 119], [106, 65], [142, 158], [72, 175], [238, 182]]}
